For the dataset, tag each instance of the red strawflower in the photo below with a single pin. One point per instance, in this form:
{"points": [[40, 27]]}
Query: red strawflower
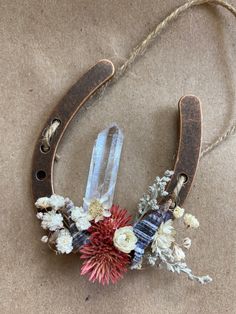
{"points": [[103, 261]]}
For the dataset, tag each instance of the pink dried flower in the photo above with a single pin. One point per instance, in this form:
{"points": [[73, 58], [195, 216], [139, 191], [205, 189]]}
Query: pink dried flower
{"points": [[103, 262]]}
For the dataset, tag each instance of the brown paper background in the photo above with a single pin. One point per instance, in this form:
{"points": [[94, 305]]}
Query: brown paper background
{"points": [[45, 47]]}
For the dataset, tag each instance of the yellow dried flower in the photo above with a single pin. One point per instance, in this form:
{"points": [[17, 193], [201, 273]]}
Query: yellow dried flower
{"points": [[97, 212]]}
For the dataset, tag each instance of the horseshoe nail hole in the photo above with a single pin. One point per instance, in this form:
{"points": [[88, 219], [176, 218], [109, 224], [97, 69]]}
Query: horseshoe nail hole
{"points": [[185, 177], [173, 205], [44, 149], [56, 120], [41, 175]]}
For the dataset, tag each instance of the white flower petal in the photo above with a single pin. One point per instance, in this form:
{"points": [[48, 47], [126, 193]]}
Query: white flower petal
{"points": [[124, 239], [164, 237], [167, 228]]}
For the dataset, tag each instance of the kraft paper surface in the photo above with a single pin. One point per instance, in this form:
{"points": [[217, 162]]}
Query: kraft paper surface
{"points": [[45, 47]]}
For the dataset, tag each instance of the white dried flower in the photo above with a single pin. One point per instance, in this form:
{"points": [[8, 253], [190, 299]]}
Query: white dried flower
{"points": [[44, 239], [52, 221], [43, 203], [81, 218], [178, 212], [57, 201], [77, 213], [64, 241], [54, 201], [39, 215], [83, 224], [124, 239], [96, 210], [187, 243], [191, 221], [178, 253], [164, 236]]}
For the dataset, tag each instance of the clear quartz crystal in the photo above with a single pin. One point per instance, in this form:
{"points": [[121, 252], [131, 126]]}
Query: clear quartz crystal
{"points": [[104, 167]]}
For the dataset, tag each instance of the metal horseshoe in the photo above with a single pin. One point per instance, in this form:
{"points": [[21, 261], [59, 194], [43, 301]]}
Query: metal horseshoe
{"points": [[189, 136]]}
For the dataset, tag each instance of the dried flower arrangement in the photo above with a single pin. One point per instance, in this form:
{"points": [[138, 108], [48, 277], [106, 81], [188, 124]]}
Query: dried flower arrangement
{"points": [[108, 242]]}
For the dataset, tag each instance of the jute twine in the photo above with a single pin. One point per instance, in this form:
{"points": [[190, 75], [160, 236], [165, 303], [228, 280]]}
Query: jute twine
{"points": [[139, 50]]}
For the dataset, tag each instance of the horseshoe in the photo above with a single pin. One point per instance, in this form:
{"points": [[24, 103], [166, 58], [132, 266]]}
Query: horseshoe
{"points": [[189, 136]]}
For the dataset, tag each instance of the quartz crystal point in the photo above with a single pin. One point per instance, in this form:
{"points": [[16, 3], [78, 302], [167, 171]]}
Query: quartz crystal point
{"points": [[104, 167]]}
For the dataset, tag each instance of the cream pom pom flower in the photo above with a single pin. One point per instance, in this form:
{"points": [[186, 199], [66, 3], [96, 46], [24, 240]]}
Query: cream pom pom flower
{"points": [[164, 236], [43, 203], [39, 215], [77, 213], [57, 201], [191, 221], [64, 241], [124, 239], [81, 218], [83, 224], [178, 212], [52, 221], [54, 201]]}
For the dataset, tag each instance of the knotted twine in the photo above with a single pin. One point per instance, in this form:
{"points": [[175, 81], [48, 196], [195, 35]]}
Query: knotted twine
{"points": [[138, 51]]}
